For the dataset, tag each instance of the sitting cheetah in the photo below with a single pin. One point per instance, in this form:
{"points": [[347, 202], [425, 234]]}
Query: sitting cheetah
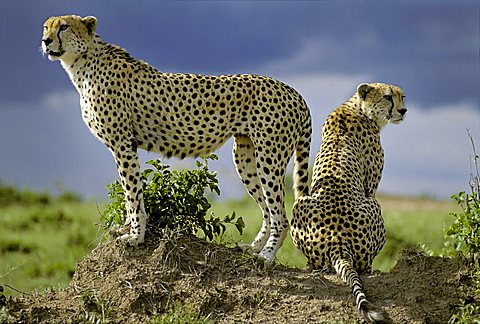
{"points": [[340, 224], [128, 104]]}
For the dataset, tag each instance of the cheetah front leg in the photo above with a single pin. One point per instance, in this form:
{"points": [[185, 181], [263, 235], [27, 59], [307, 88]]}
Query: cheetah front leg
{"points": [[128, 167]]}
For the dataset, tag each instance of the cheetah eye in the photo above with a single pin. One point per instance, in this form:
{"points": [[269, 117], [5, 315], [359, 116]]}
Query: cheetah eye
{"points": [[388, 97], [45, 28], [63, 27]]}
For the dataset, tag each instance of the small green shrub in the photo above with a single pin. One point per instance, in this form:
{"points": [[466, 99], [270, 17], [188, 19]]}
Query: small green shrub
{"points": [[466, 227], [466, 235], [469, 309], [174, 199]]}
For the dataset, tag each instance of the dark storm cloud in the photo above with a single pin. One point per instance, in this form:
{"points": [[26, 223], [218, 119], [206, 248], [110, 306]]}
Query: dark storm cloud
{"points": [[324, 48], [431, 48]]}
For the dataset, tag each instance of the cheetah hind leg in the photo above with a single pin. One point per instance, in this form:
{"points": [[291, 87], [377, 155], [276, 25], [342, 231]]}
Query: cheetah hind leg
{"points": [[274, 193], [244, 158]]}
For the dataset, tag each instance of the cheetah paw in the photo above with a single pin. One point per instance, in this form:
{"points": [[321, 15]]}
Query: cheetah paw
{"points": [[120, 231], [261, 260], [131, 239], [246, 248], [266, 257]]}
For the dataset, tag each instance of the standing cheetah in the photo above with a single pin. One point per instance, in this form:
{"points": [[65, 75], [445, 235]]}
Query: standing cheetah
{"points": [[128, 104], [340, 225]]}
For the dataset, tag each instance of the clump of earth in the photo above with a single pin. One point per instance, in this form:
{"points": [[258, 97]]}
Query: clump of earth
{"points": [[181, 273]]}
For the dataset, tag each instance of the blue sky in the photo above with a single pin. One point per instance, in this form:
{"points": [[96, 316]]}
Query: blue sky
{"points": [[323, 49]]}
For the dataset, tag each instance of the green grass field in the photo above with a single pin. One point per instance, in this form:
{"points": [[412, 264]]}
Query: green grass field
{"points": [[409, 222], [41, 242]]}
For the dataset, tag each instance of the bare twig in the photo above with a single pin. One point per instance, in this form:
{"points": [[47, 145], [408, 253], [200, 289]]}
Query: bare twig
{"points": [[474, 170], [15, 289]]}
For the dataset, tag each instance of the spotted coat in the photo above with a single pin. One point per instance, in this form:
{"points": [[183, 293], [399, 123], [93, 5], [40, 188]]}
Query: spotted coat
{"points": [[340, 224], [128, 104]]}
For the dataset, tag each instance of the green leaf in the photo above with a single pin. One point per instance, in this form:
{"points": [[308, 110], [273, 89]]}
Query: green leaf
{"points": [[240, 225]]}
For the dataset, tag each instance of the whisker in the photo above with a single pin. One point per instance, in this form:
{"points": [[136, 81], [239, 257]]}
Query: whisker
{"points": [[40, 49]]}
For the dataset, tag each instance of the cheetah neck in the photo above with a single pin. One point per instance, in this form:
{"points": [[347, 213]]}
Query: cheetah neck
{"points": [[81, 67], [85, 68], [359, 106]]}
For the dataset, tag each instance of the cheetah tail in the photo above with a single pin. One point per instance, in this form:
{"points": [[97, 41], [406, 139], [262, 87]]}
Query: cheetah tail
{"points": [[302, 155], [370, 312]]}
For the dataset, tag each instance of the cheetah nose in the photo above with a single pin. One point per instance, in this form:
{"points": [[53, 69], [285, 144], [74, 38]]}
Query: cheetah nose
{"points": [[402, 111], [47, 41]]}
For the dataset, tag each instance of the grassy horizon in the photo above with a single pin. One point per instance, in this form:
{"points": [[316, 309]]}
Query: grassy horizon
{"points": [[42, 241], [409, 221]]}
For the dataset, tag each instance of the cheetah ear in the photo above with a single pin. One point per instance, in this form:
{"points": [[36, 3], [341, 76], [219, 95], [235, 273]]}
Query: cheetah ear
{"points": [[363, 89], [91, 23]]}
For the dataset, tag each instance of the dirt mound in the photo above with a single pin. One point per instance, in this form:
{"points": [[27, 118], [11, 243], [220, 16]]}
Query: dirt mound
{"points": [[118, 284]]}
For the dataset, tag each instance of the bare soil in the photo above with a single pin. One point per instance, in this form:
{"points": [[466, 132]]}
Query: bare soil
{"points": [[119, 284]]}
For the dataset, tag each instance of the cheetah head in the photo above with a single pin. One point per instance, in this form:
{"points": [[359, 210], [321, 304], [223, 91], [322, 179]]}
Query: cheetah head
{"points": [[66, 37], [382, 103]]}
